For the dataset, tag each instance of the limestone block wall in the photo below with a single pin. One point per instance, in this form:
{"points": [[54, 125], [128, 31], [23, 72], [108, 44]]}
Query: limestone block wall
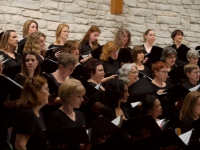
{"points": [[163, 16]]}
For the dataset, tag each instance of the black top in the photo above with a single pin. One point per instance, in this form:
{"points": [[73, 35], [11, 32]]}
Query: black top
{"points": [[96, 53], [111, 66], [27, 123], [154, 54], [21, 45], [110, 113], [124, 55], [85, 48], [186, 124], [20, 79], [189, 85], [146, 71], [54, 79], [181, 53], [59, 120]]}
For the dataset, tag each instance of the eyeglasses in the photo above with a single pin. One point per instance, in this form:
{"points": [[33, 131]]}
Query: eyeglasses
{"points": [[70, 68], [172, 57], [164, 71], [196, 72]]}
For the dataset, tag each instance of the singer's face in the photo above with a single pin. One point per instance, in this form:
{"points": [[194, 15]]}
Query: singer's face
{"points": [[133, 75]]}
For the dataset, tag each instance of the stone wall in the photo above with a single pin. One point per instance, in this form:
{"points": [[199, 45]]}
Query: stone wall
{"points": [[163, 16]]}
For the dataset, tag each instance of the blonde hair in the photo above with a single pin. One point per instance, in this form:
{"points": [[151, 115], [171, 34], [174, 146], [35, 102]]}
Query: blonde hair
{"points": [[106, 50], [33, 42], [70, 87], [188, 105], [26, 27], [4, 39], [58, 31]]}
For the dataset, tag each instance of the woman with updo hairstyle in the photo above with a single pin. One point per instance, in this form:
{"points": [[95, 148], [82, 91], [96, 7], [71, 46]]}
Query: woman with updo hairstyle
{"points": [[152, 106], [192, 73], [29, 27], [137, 53], [193, 57], [28, 126], [109, 57], [181, 49], [123, 39], [152, 51], [36, 43]]}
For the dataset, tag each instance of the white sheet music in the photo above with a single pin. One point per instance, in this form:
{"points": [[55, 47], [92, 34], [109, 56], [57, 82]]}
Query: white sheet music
{"points": [[186, 137], [159, 122], [117, 120], [135, 104], [195, 88]]}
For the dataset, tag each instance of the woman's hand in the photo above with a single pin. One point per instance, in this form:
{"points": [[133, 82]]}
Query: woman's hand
{"points": [[10, 104], [57, 54]]}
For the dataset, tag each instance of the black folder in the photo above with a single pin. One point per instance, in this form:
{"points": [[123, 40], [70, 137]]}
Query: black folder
{"points": [[50, 53], [141, 74], [96, 53], [134, 126], [48, 66], [53, 87], [177, 75], [10, 87], [12, 71], [69, 136], [90, 90], [101, 126], [78, 72]]}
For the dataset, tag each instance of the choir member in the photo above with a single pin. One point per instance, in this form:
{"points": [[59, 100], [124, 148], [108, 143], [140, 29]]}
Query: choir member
{"points": [[8, 46], [193, 75], [177, 37], [29, 125], [169, 56], [193, 56], [71, 94], [61, 34], [116, 93], [36, 43], [66, 64], [29, 27], [152, 106], [153, 52], [109, 57], [123, 39], [30, 67], [137, 54], [190, 112], [95, 73], [90, 42]]}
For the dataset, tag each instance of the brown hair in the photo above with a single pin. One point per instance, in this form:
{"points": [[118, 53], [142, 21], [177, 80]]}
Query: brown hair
{"points": [[26, 27], [69, 46], [188, 104], [137, 50], [189, 67], [4, 39], [30, 93], [87, 36], [58, 31], [106, 50], [146, 33], [176, 32], [24, 70], [157, 66], [119, 36]]}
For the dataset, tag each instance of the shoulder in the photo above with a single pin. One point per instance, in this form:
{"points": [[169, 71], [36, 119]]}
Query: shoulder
{"points": [[26, 114], [79, 113], [187, 119], [157, 47], [184, 47]]}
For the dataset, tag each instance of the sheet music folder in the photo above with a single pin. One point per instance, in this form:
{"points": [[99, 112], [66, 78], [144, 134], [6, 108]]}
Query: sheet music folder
{"points": [[70, 136], [10, 87]]}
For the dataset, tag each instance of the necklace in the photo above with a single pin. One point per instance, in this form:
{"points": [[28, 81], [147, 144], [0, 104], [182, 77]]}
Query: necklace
{"points": [[60, 77]]}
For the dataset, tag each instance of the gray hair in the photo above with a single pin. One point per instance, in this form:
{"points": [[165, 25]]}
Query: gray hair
{"points": [[124, 70], [192, 53], [1, 58], [167, 51]]}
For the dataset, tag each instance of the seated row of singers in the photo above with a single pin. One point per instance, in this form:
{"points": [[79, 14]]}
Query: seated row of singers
{"points": [[159, 72]]}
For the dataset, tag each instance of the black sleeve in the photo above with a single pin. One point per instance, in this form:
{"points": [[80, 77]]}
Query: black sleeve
{"points": [[186, 124], [25, 123], [54, 121], [20, 79]]}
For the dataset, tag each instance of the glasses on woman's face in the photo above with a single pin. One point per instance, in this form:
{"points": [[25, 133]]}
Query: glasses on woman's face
{"points": [[195, 72], [164, 71]]}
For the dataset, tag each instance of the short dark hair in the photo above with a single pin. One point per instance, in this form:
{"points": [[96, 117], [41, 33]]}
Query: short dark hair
{"points": [[136, 50], [114, 91], [90, 67], [147, 103], [176, 32]]}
